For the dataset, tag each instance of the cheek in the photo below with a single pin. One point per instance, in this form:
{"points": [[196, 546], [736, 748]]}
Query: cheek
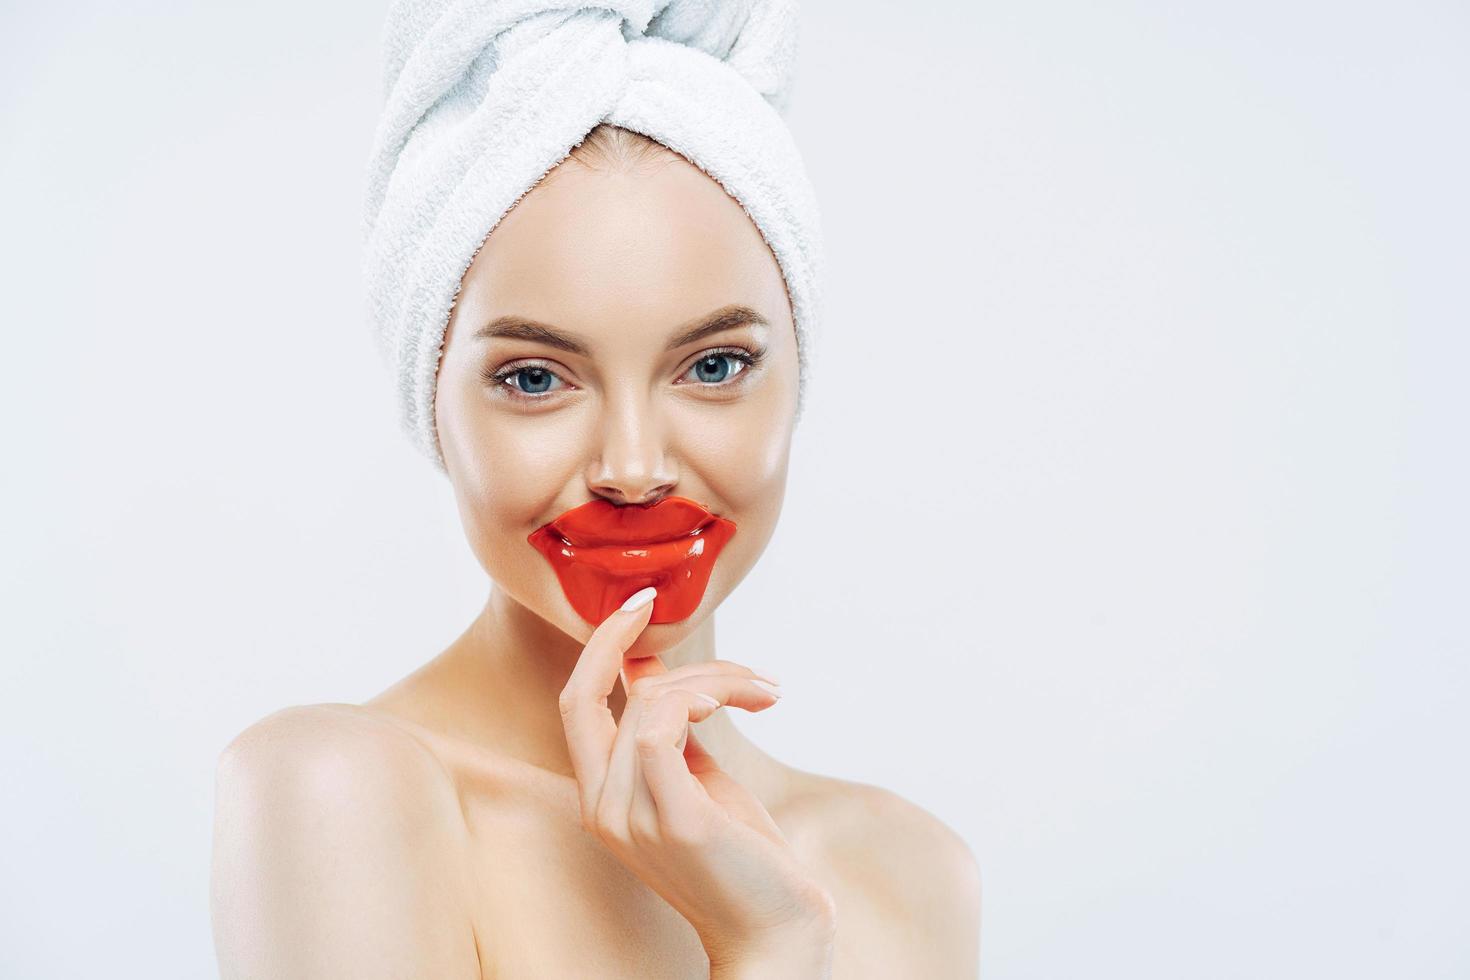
{"points": [[743, 451], [506, 473], [742, 461]]}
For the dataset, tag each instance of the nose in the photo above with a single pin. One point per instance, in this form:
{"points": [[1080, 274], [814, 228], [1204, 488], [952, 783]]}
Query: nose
{"points": [[633, 467]]}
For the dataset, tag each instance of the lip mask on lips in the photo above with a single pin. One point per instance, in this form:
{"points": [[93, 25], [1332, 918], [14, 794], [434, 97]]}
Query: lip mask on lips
{"points": [[603, 553]]}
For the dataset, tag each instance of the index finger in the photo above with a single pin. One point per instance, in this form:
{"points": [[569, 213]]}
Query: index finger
{"points": [[589, 725]]}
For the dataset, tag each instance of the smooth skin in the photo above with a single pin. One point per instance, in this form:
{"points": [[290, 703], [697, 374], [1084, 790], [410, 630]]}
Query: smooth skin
{"points": [[496, 813]]}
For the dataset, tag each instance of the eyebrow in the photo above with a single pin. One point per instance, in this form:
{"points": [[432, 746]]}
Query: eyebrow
{"points": [[515, 327]]}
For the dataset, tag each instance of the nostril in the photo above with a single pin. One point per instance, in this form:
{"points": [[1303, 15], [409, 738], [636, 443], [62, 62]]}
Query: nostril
{"points": [[622, 499]]}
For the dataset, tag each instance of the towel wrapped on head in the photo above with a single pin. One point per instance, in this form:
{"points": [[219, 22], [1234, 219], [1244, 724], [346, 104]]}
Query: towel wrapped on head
{"points": [[485, 97]]}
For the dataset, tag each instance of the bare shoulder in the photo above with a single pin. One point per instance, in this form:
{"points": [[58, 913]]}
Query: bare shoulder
{"points": [[913, 874], [323, 739], [338, 760], [336, 844], [920, 854]]}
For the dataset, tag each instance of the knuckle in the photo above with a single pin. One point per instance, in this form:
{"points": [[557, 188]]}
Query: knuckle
{"points": [[649, 740]]}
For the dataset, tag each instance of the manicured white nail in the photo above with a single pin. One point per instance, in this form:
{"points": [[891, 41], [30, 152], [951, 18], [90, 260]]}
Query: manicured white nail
{"points": [[772, 688], [713, 701], [640, 599], [765, 674]]}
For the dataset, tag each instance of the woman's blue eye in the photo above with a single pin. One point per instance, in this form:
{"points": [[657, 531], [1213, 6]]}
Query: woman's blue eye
{"points": [[536, 377], [711, 364], [531, 382]]}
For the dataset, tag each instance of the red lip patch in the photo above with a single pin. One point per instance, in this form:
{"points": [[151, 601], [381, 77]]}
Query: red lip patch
{"points": [[603, 553]]}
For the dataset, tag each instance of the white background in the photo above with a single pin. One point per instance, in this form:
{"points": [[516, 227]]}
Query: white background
{"points": [[1126, 531]]}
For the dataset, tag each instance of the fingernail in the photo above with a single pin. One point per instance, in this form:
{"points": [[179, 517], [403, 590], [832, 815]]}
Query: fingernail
{"points": [[766, 674], [713, 701], [774, 689], [640, 599]]}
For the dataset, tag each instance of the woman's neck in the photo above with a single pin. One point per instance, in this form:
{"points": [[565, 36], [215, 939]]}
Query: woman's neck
{"points": [[497, 686]]}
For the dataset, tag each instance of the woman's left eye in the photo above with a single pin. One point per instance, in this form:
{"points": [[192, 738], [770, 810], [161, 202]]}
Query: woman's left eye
{"points": [[712, 370]]}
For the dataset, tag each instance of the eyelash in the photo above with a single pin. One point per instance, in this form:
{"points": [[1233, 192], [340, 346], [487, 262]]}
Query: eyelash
{"points": [[498, 379]]}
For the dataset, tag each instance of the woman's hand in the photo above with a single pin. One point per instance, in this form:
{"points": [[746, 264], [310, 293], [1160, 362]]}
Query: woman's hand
{"points": [[693, 834]]}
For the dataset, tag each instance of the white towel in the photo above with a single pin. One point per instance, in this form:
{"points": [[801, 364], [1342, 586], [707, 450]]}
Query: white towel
{"points": [[484, 97]]}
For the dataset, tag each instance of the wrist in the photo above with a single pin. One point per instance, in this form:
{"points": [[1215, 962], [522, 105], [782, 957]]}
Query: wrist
{"points": [[787, 964], [799, 953]]}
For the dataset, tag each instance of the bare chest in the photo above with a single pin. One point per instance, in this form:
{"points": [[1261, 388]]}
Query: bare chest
{"points": [[552, 901]]}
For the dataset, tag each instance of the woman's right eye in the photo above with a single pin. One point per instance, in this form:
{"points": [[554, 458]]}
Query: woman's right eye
{"points": [[528, 382]]}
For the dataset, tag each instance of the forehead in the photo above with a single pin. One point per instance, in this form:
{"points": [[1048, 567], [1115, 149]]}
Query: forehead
{"points": [[655, 245]]}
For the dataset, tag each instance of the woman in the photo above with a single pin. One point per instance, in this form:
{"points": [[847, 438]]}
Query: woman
{"points": [[561, 792]]}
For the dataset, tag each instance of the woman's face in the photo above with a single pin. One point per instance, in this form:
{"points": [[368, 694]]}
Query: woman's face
{"points": [[620, 264]]}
